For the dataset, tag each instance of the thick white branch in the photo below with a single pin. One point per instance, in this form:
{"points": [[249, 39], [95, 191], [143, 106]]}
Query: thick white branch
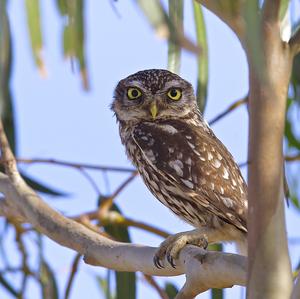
{"points": [[203, 269], [10, 212]]}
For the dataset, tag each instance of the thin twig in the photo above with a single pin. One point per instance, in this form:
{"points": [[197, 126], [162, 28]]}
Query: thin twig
{"points": [[295, 42], [232, 107], [90, 180], [73, 272], [9, 287], [108, 202], [151, 281], [74, 165], [286, 158], [292, 158], [21, 246], [114, 217]]}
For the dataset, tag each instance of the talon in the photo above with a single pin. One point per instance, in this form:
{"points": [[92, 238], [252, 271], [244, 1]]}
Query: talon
{"points": [[205, 243], [171, 261], [157, 263]]}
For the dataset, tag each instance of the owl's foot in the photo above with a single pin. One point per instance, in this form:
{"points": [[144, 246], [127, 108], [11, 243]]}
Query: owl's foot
{"points": [[171, 247]]}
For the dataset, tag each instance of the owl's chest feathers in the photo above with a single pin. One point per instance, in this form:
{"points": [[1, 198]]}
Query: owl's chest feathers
{"points": [[148, 164]]}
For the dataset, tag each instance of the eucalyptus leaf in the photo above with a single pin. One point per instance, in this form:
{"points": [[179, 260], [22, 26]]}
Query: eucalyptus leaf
{"points": [[171, 290], [41, 187], [104, 287], [73, 35], [216, 293], [163, 25], [202, 59], [293, 141], [125, 281], [35, 32], [295, 201], [174, 50], [48, 281]]}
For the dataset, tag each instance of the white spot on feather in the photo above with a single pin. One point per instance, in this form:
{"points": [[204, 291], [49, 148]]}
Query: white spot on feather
{"points": [[219, 156], [169, 129], [216, 163], [189, 184], [209, 156], [202, 181], [177, 166], [171, 150], [150, 155], [227, 202], [188, 161], [225, 174], [192, 146], [242, 192]]}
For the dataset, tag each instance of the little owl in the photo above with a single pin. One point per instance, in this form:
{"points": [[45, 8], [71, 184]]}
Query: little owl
{"points": [[181, 161]]}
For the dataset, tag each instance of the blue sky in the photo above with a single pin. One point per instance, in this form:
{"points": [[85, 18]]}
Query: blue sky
{"points": [[57, 119]]}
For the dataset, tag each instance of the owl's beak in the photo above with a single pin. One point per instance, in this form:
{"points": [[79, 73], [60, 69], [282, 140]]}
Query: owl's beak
{"points": [[153, 110]]}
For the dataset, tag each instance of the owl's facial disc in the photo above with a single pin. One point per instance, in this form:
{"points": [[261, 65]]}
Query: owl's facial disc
{"points": [[153, 95]]}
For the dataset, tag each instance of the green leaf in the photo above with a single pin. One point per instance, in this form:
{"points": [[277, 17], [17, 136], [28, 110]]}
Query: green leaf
{"points": [[125, 281], [284, 4], [293, 141], [41, 187], [163, 25], [104, 286], [174, 50], [295, 201], [216, 293], [202, 78], [295, 79], [34, 27], [62, 7], [73, 36], [6, 105], [171, 290], [48, 282]]}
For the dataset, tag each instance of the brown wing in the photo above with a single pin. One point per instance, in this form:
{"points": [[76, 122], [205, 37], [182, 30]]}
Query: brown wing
{"points": [[197, 163]]}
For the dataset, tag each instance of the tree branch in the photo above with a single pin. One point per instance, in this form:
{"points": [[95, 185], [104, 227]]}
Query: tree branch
{"points": [[200, 266], [9, 212], [230, 12], [269, 82], [232, 107], [74, 165], [295, 43], [270, 11]]}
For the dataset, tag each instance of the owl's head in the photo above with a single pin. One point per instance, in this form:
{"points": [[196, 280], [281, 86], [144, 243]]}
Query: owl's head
{"points": [[153, 95]]}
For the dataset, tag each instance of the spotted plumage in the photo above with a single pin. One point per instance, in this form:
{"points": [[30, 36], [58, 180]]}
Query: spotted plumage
{"points": [[178, 156]]}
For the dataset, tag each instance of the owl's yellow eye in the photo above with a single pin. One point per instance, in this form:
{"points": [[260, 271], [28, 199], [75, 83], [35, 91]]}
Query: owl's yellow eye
{"points": [[133, 93], [174, 94]]}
